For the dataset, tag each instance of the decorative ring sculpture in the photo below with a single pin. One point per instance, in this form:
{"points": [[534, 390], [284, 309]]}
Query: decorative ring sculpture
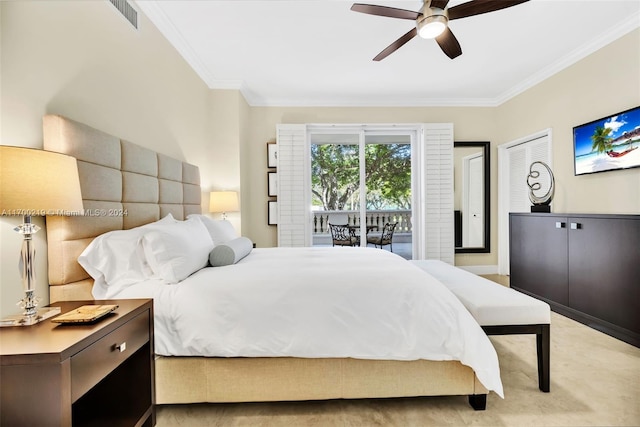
{"points": [[548, 196]]}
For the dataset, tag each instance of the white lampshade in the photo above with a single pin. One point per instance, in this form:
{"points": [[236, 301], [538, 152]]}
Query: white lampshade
{"points": [[38, 182], [223, 201]]}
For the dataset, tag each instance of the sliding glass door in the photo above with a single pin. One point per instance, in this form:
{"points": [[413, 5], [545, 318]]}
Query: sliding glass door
{"points": [[363, 179], [388, 191], [335, 183]]}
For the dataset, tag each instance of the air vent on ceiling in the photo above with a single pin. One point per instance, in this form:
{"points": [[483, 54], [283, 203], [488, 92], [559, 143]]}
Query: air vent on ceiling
{"points": [[127, 11]]}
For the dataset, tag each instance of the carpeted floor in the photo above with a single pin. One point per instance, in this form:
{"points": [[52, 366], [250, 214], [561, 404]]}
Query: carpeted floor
{"points": [[595, 381]]}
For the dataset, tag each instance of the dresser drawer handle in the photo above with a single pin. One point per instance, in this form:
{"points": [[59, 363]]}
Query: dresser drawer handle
{"points": [[560, 225], [121, 347]]}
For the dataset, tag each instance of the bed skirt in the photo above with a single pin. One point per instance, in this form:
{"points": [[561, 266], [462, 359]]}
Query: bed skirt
{"points": [[212, 379]]}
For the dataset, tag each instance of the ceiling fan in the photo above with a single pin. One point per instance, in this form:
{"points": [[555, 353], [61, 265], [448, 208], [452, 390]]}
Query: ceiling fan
{"points": [[432, 21]]}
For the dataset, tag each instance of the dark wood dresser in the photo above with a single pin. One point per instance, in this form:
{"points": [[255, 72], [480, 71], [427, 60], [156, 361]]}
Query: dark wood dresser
{"points": [[99, 374], [587, 267]]}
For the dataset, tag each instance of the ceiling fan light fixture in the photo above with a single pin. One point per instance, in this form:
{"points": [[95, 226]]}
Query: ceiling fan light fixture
{"points": [[432, 23], [432, 26]]}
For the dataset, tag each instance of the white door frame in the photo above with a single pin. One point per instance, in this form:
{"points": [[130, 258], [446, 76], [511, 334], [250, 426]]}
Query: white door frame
{"points": [[503, 194]]}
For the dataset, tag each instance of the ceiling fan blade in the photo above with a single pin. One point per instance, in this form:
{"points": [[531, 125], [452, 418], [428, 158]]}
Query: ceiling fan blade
{"points": [[396, 45], [440, 4], [478, 7], [449, 44], [390, 12]]}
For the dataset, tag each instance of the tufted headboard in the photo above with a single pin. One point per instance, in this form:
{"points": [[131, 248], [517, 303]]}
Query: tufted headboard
{"points": [[123, 186]]}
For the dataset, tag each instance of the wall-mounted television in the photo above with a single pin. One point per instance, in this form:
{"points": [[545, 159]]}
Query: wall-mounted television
{"points": [[607, 144]]}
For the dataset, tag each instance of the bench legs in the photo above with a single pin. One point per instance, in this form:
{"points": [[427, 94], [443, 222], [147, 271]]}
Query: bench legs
{"points": [[478, 401], [543, 345], [543, 341]]}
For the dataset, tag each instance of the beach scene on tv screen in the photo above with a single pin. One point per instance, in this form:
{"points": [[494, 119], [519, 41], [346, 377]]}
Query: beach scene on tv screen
{"points": [[609, 143]]}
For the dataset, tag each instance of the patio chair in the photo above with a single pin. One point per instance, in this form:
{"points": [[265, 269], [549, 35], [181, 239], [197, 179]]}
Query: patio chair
{"points": [[385, 238], [341, 235]]}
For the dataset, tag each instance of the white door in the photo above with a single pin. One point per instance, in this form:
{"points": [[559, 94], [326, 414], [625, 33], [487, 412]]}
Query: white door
{"points": [[514, 161]]}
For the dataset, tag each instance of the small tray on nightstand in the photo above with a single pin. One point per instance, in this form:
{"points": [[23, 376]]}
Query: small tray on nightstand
{"points": [[85, 314]]}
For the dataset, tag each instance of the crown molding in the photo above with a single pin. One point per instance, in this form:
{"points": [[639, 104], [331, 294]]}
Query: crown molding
{"points": [[625, 27], [370, 102], [159, 18]]}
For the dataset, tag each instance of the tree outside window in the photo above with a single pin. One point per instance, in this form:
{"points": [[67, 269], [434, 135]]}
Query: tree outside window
{"points": [[335, 176]]}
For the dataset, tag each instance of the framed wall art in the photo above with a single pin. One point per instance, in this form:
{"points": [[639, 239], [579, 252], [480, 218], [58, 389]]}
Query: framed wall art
{"points": [[273, 184], [272, 212], [272, 155]]}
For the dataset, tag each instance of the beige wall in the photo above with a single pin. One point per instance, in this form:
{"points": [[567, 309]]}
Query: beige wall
{"points": [[228, 116], [604, 83], [82, 59]]}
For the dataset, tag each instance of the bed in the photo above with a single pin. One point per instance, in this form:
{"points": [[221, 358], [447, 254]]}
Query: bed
{"points": [[125, 186]]}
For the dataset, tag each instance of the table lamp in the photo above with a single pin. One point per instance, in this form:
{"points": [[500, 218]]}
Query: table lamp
{"points": [[35, 182], [223, 201]]}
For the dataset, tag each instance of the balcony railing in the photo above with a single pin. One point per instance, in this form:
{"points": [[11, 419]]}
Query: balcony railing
{"points": [[375, 218]]}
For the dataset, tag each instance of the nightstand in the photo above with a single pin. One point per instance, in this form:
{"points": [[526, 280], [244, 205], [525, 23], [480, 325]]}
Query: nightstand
{"points": [[99, 374]]}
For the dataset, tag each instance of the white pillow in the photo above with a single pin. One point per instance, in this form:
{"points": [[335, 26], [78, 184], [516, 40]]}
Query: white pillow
{"points": [[221, 230], [178, 250], [230, 252], [114, 259]]}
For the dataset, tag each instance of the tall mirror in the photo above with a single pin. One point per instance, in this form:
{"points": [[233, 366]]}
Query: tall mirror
{"points": [[471, 197]]}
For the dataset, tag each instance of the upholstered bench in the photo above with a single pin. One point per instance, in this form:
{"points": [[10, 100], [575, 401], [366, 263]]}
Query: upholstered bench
{"points": [[499, 310]]}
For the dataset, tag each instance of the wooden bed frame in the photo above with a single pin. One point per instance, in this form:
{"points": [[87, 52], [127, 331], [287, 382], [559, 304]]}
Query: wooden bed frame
{"points": [[124, 186]]}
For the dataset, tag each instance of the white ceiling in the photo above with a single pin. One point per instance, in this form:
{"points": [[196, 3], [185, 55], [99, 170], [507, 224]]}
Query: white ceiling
{"points": [[319, 53]]}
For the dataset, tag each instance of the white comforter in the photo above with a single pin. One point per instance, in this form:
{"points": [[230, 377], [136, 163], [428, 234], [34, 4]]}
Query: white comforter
{"points": [[361, 303]]}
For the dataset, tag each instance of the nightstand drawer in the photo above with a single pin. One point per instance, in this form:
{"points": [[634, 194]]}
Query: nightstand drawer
{"points": [[98, 360]]}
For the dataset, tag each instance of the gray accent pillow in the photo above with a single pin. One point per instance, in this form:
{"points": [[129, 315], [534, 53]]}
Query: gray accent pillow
{"points": [[230, 252]]}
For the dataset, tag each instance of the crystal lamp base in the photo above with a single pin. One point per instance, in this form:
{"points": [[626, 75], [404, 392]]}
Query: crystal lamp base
{"points": [[23, 320]]}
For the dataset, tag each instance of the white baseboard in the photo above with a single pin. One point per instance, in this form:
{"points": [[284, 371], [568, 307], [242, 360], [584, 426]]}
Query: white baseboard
{"points": [[480, 269]]}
